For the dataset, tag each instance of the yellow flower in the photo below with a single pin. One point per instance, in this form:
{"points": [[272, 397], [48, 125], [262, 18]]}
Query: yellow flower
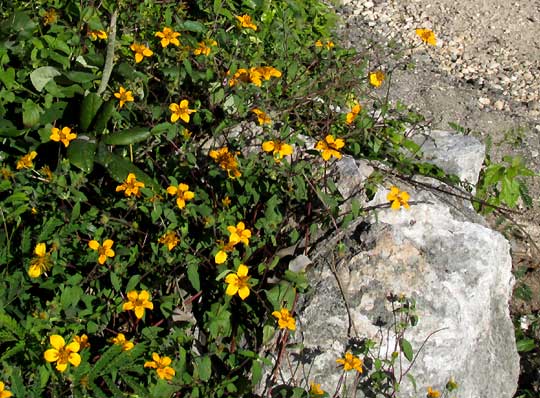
{"points": [[41, 262], [161, 364], [329, 44], [241, 74], [398, 198], [221, 255], [351, 362], [268, 71], [62, 353], [376, 78], [182, 194], [168, 36], [226, 160], [65, 135], [238, 283], [25, 162], [204, 49], [330, 146], [47, 172], [130, 186], [124, 96], [138, 302], [82, 340], [315, 389], [3, 392], [181, 111], [353, 113], [170, 239], [255, 76], [427, 36], [285, 320], [104, 251], [97, 34], [262, 117], [433, 393], [50, 17], [226, 201], [6, 173], [278, 149], [245, 22], [239, 234], [140, 51], [120, 340]]}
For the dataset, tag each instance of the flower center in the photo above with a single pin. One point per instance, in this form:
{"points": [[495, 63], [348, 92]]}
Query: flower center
{"points": [[63, 355]]}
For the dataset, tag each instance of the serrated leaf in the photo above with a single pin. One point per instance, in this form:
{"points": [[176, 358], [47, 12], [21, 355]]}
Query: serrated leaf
{"points": [[41, 76], [49, 228], [128, 137]]}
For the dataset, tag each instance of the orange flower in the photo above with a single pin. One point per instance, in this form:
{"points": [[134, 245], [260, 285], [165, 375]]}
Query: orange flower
{"points": [[285, 319], [65, 135], [245, 22], [138, 302], [427, 36], [104, 250], [351, 362], [330, 146], [168, 36], [140, 51], [376, 78]]}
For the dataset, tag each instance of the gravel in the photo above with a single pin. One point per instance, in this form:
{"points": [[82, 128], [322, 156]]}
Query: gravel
{"points": [[493, 45]]}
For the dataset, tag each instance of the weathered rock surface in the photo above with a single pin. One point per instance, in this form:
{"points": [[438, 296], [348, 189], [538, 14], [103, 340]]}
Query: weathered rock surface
{"points": [[457, 270]]}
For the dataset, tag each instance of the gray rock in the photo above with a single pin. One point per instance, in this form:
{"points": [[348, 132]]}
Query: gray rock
{"points": [[458, 272], [462, 155]]}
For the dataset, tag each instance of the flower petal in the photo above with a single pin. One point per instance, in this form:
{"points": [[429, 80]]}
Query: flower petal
{"points": [[57, 341], [51, 355]]}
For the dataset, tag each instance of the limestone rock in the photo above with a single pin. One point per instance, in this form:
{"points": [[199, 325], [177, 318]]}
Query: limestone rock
{"points": [[458, 272], [462, 155]]}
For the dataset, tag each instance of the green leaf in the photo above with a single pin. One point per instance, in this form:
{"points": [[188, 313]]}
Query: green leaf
{"points": [[89, 108], [81, 153], [103, 117], [41, 76], [70, 296], [193, 26], [31, 113], [119, 168], [406, 348], [193, 275], [128, 137], [8, 129], [526, 345], [80, 77], [8, 77], [49, 228], [204, 367], [116, 282], [133, 282]]}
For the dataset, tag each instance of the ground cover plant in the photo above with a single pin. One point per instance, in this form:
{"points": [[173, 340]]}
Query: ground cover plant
{"points": [[155, 157]]}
